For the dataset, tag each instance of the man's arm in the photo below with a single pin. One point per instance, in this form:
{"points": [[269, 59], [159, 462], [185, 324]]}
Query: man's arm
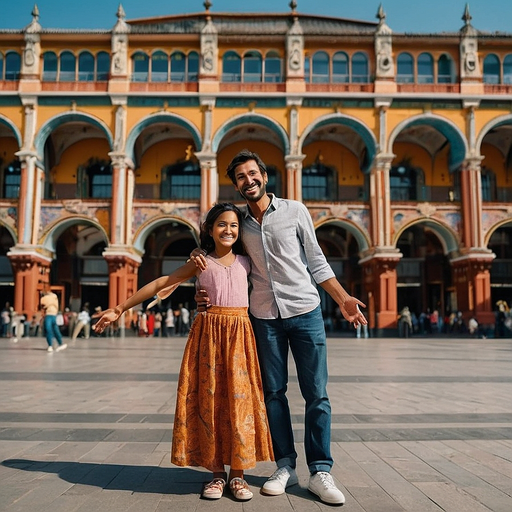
{"points": [[349, 306]]}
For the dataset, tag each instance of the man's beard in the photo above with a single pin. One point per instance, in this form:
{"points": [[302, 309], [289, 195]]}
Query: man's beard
{"points": [[255, 198]]}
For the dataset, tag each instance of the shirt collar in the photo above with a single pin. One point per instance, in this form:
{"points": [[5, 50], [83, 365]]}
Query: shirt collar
{"points": [[272, 205]]}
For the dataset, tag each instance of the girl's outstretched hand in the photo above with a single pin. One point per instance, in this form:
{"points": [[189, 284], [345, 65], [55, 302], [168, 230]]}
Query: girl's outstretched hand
{"points": [[199, 258], [108, 317]]}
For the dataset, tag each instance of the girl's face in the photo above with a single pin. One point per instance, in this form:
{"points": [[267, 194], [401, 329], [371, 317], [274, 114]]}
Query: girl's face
{"points": [[225, 230]]}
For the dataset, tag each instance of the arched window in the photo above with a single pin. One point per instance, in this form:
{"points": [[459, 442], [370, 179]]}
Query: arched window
{"points": [[319, 182], [140, 67], [181, 181], [403, 182], [252, 67], [425, 68], [405, 69], [102, 66], [12, 180], [273, 65], [67, 72], [159, 67], [178, 67], [360, 68], [193, 67], [340, 72], [95, 179], [85, 67], [231, 67], [320, 68], [12, 66], [491, 69], [444, 70], [50, 67], [507, 69]]}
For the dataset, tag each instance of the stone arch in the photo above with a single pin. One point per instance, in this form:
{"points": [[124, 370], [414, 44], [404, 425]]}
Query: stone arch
{"points": [[251, 118], [501, 224], [459, 146], [368, 137], [446, 235], [144, 231], [494, 123], [66, 117], [161, 117], [362, 238], [49, 242], [9, 124]]}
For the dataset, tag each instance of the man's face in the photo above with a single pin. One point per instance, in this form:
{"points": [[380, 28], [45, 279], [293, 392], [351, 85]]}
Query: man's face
{"points": [[250, 181]]}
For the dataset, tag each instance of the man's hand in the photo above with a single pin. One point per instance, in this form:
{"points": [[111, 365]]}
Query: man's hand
{"points": [[198, 256], [351, 312], [202, 300], [109, 316]]}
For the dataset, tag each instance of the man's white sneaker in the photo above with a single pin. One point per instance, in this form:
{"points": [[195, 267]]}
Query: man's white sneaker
{"points": [[64, 346], [323, 486], [279, 481], [49, 349]]}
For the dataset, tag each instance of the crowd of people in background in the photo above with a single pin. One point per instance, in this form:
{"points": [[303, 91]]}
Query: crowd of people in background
{"points": [[167, 321]]}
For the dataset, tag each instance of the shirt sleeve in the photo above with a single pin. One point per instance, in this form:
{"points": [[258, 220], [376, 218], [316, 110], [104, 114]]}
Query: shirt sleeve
{"points": [[316, 261]]}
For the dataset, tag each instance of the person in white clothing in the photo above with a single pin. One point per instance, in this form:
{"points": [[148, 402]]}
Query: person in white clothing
{"points": [[83, 321]]}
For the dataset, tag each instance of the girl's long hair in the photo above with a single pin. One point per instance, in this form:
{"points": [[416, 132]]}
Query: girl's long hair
{"points": [[206, 241]]}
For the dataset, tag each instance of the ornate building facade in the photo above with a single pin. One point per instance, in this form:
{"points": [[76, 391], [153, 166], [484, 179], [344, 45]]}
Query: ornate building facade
{"points": [[114, 143]]}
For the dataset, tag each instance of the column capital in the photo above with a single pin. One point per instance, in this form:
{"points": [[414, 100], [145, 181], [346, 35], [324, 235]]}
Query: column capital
{"points": [[383, 255]]}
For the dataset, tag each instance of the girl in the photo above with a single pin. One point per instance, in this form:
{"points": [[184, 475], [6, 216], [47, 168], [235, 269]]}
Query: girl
{"points": [[220, 413]]}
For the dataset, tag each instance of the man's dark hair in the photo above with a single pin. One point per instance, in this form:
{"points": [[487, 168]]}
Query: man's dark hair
{"points": [[244, 156]]}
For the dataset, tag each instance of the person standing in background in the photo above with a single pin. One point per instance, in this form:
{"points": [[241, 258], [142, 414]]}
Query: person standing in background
{"points": [[50, 305]]}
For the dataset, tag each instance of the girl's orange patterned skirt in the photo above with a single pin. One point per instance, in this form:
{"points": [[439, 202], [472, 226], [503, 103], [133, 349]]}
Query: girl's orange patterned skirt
{"points": [[220, 412]]}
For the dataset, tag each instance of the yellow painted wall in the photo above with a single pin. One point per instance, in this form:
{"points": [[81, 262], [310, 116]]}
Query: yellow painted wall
{"points": [[78, 154], [8, 146]]}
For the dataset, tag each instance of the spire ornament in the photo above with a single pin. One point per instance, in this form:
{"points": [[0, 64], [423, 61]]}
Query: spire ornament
{"points": [[207, 4], [293, 6], [466, 17]]}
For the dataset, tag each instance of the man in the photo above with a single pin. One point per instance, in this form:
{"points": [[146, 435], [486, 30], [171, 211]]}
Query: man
{"points": [[285, 310], [50, 305]]}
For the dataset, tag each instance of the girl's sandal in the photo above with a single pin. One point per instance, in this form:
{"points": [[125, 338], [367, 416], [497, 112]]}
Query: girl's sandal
{"points": [[213, 490], [240, 489]]}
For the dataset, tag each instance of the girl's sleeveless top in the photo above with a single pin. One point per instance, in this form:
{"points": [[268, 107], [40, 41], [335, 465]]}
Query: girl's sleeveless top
{"points": [[226, 286]]}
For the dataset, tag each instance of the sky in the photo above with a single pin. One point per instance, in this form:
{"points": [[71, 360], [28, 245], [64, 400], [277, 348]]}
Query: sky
{"points": [[415, 16]]}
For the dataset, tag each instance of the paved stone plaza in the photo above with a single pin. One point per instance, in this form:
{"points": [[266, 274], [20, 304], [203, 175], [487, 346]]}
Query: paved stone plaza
{"points": [[420, 425]]}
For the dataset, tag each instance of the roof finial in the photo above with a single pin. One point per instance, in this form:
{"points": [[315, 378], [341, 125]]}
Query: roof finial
{"points": [[121, 15], [381, 15], [35, 12], [207, 4], [466, 17], [293, 6]]}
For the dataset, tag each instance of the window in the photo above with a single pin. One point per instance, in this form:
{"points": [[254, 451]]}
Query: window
{"points": [[159, 67], [402, 181], [67, 67], [444, 70], [425, 69], [96, 179], [507, 69], [340, 73], [491, 69], [1, 66], [405, 69], [274, 180], [181, 181], [102, 66], [488, 184], [273, 71], [360, 68], [193, 67], [178, 67], [12, 66], [252, 67], [320, 68], [85, 67], [50, 67], [231, 67], [12, 179], [319, 182], [140, 67]]}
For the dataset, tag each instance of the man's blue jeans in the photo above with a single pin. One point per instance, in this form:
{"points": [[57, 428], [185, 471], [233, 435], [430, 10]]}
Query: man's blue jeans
{"points": [[305, 335], [51, 330]]}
